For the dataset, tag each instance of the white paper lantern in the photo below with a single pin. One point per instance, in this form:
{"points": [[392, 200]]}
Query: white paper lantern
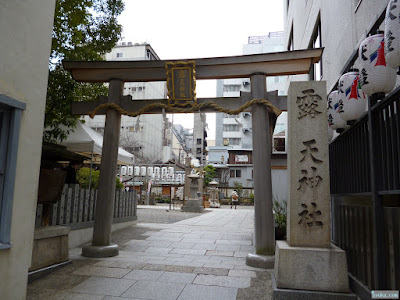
{"points": [[143, 171], [164, 172], [335, 107], [149, 171], [352, 96], [123, 170], [376, 75], [130, 171], [137, 171], [171, 172], [392, 34], [330, 134], [179, 177], [157, 172]]}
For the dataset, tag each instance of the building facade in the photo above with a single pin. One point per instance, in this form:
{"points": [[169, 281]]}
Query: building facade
{"points": [[368, 198], [199, 145], [236, 130], [25, 31], [148, 137], [234, 138], [338, 26], [182, 143]]}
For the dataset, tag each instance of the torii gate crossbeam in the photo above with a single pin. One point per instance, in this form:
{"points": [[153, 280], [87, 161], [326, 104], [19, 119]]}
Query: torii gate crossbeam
{"points": [[256, 67]]}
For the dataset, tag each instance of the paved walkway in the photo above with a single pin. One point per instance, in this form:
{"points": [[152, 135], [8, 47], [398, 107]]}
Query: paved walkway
{"points": [[198, 258]]}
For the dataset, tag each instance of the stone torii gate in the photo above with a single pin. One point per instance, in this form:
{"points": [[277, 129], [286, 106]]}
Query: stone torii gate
{"points": [[256, 67]]}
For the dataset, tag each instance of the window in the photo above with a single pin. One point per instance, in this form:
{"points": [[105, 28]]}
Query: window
{"points": [[10, 118], [279, 145], [316, 42], [135, 128], [232, 87], [234, 141], [198, 141], [231, 127], [198, 151], [235, 173], [119, 54]]}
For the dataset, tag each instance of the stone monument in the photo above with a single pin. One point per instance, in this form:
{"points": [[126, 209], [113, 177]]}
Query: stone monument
{"points": [[195, 201], [214, 202], [307, 265]]}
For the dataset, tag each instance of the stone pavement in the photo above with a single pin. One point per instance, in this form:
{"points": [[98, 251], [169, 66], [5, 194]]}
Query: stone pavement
{"points": [[197, 258]]}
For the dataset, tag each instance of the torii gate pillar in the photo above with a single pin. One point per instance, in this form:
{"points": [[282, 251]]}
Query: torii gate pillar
{"points": [[101, 244], [264, 238]]}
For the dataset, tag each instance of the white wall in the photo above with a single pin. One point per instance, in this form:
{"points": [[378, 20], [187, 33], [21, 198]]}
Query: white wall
{"points": [[25, 34], [343, 28]]}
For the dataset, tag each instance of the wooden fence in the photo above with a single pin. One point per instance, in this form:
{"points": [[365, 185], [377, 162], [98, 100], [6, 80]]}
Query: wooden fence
{"points": [[76, 208]]}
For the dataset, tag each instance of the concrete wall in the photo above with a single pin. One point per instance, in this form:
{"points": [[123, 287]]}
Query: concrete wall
{"points": [[246, 179], [343, 29], [79, 237], [25, 33]]}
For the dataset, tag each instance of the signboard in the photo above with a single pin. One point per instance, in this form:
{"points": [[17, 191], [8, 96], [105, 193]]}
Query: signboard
{"points": [[181, 83], [241, 159]]}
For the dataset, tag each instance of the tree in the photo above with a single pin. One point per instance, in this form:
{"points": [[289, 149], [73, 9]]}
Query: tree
{"points": [[83, 30], [209, 173]]}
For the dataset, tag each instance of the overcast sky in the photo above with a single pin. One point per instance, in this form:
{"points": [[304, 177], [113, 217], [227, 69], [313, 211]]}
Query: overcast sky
{"points": [[181, 29]]}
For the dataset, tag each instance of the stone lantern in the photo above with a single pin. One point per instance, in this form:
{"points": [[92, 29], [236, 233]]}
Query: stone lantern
{"points": [[194, 203], [214, 202]]}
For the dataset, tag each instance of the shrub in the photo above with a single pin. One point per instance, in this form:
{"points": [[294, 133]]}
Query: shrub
{"points": [[83, 174], [251, 197], [280, 213]]}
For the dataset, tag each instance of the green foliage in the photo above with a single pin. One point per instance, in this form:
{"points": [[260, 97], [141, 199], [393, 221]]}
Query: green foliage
{"points": [[251, 197], [82, 175], [83, 30], [238, 188], [210, 173], [280, 212], [118, 183]]}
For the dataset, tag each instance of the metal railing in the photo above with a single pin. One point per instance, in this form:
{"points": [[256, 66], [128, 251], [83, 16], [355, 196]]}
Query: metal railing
{"points": [[76, 208], [366, 203]]}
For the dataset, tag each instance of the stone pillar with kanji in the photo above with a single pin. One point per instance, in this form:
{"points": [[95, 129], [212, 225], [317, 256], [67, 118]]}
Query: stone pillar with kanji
{"points": [[308, 261]]}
